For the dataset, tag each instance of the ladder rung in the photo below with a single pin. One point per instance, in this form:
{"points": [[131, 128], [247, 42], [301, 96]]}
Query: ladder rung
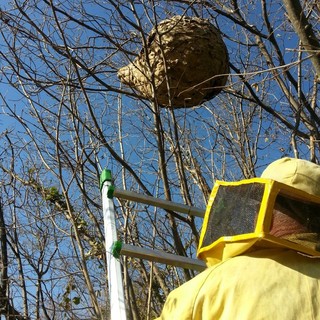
{"points": [[165, 204], [162, 257]]}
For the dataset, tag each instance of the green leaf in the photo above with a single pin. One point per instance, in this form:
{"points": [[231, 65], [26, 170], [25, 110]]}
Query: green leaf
{"points": [[76, 300]]}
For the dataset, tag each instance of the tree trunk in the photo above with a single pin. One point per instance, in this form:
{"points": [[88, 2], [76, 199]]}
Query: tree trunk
{"points": [[305, 32]]}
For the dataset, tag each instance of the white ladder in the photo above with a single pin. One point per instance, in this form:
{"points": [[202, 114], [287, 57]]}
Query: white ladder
{"points": [[114, 248]]}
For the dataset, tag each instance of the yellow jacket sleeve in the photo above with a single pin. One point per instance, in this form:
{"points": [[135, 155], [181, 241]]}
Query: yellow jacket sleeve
{"points": [[273, 284]]}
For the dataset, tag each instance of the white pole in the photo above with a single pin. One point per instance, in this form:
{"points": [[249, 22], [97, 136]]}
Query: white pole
{"points": [[116, 294]]}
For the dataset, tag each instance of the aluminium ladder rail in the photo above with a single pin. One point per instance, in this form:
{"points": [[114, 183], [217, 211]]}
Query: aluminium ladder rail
{"points": [[115, 248]]}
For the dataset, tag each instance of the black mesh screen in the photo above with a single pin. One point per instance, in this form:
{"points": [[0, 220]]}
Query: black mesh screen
{"points": [[306, 213], [233, 211]]}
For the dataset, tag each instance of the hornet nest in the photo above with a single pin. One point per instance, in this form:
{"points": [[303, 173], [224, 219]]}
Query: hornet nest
{"points": [[184, 64]]}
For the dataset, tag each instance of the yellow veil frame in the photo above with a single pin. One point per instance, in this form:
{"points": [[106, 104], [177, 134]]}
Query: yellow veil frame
{"points": [[229, 246]]}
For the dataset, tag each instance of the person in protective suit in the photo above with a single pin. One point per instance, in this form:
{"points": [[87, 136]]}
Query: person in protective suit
{"points": [[259, 240]]}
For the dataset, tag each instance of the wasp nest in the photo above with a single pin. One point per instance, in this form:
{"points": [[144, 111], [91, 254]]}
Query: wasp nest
{"points": [[187, 63]]}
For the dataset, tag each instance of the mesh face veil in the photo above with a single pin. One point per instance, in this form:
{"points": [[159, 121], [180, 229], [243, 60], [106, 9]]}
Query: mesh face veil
{"points": [[239, 216]]}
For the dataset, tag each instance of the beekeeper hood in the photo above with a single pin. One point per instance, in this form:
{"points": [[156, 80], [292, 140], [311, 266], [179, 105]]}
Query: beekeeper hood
{"points": [[239, 215]]}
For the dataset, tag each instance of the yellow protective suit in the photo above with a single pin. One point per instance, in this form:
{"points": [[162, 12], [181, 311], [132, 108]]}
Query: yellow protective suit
{"points": [[275, 284], [258, 280]]}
